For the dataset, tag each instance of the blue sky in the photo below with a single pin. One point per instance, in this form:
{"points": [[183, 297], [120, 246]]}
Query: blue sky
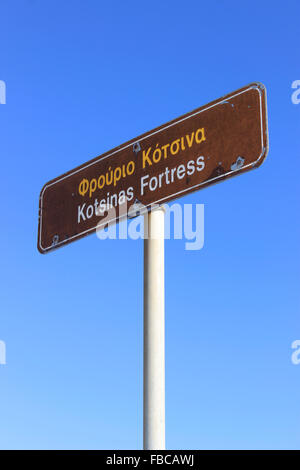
{"points": [[82, 78]]}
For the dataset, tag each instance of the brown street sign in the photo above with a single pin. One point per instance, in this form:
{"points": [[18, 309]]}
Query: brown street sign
{"points": [[221, 139]]}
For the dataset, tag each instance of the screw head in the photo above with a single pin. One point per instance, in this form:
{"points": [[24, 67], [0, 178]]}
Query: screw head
{"points": [[55, 240], [136, 147]]}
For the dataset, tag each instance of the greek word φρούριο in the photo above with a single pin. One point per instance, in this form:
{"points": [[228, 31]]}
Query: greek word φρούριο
{"points": [[111, 177]]}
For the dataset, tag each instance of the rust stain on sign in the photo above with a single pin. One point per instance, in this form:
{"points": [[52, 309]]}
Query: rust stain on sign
{"points": [[219, 140]]}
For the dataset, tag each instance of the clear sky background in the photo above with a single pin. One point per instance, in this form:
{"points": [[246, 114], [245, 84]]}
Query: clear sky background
{"points": [[83, 77]]}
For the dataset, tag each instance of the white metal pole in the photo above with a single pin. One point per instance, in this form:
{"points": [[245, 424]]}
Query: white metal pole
{"points": [[154, 331]]}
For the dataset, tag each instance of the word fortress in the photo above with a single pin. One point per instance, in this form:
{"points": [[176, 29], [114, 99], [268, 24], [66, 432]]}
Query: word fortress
{"points": [[214, 142]]}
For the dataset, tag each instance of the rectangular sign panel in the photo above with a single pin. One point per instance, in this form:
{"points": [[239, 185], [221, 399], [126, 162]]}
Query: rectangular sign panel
{"points": [[222, 139]]}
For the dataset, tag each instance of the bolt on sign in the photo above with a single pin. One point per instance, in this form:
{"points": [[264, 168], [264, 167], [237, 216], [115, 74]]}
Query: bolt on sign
{"points": [[224, 138]]}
